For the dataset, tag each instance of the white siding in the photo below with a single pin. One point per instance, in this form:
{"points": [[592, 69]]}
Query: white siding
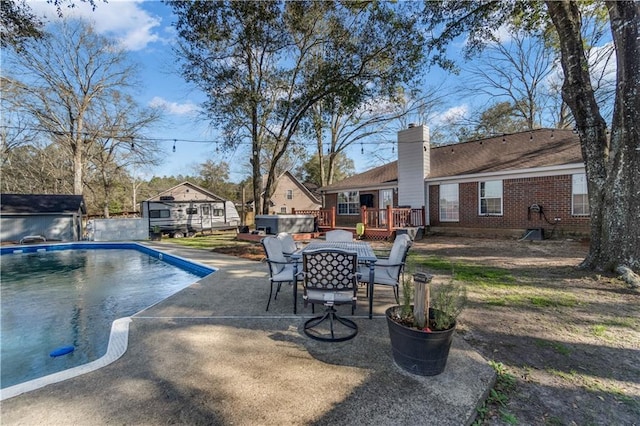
{"points": [[52, 227], [118, 229], [413, 165]]}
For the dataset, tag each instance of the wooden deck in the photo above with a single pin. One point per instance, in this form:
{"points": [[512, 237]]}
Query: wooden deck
{"points": [[379, 224]]}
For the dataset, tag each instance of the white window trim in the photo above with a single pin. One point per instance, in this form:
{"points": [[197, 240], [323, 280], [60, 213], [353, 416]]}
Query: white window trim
{"points": [[573, 213], [357, 202], [457, 186], [501, 198]]}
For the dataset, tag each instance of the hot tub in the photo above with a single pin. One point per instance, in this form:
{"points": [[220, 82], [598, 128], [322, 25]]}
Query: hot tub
{"points": [[291, 223]]}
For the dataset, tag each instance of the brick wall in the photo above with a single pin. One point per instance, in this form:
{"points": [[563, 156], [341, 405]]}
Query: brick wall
{"points": [[552, 193]]}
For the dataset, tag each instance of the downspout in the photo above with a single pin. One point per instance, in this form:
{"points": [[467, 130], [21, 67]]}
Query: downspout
{"points": [[427, 210]]}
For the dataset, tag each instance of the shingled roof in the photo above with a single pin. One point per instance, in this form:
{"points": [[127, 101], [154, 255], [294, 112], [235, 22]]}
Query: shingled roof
{"points": [[41, 203], [517, 151]]}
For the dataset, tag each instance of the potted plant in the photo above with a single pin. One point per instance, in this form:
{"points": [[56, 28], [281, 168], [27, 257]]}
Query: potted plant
{"points": [[420, 342]]}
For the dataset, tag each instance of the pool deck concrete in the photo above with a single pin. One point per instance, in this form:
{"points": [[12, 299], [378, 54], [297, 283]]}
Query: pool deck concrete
{"points": [[210, 354]]}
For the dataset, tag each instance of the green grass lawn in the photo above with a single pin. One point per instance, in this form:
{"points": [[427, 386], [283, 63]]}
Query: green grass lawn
{"points": [[208, 242]]}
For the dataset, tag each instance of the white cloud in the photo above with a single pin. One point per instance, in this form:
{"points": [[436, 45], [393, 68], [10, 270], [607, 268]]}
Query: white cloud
{"points": [[173, 108], [503, 34], [602, 61], [453, 114], [126, 21]]}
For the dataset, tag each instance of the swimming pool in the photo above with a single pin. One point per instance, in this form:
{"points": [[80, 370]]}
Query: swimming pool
{"points": [[70, 294]]}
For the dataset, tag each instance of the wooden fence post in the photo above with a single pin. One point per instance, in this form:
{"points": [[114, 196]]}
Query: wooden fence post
{"points": [[333, 217], [363, 216], [389, 218]]}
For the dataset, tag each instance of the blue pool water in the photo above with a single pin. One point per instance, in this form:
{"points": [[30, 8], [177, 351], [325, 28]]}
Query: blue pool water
{"points": [[55, 298]]}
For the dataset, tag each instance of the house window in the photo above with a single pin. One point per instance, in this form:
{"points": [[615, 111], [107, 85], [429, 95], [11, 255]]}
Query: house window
{"points": [[491, 197], [449, 203], [192, 210], [386, 198], [158, 214], [283, 209], [579, 195], [348, 203], [206, 210], [289, 194], [218, 212]]}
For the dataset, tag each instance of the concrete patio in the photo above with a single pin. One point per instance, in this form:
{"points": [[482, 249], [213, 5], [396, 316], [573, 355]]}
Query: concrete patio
{"points": [[210, 354]]}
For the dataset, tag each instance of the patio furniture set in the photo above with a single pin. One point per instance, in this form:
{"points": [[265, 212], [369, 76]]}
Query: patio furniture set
{"points": [[332, 271]]}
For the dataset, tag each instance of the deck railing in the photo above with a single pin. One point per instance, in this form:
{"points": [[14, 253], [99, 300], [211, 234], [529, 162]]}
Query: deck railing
{"points": [[392, 217], [389, 218], [326, 217]]}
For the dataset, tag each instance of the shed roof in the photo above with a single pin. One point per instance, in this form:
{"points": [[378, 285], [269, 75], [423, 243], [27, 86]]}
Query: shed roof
{"points": [[517, 151], [41, 203]]}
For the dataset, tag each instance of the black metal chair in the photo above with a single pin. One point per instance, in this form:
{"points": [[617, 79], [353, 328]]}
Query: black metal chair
{"points": [[330, 277]]}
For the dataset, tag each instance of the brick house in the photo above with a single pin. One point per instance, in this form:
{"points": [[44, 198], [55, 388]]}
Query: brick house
{"points": [[508, 184]]}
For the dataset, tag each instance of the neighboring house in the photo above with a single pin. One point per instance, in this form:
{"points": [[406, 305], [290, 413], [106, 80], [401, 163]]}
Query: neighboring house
{"points": [[505, 184], [54, 217], [187, 208], [290, 194]]}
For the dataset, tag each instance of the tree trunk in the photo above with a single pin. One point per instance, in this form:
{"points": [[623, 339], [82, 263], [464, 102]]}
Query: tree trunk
{"points": [[78, 166], [612, 165], [317, 127], [267, 191], [621, 227], [255, 162]]}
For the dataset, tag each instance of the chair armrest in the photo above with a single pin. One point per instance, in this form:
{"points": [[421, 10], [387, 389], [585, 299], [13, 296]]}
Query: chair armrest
{"points": [[385, 265], [382, 253], [275, 261]]}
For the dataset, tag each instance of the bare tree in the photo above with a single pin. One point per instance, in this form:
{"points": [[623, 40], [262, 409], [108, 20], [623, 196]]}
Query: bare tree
{"points": [[516, 70], [374, 121], [63, 78], [116, 127]]}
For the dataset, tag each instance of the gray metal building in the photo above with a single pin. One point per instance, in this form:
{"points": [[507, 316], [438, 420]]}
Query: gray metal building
{"points": [[54, 217]]}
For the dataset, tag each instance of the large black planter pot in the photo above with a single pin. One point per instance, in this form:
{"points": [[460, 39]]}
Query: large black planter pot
{"points": [[416, 351]]}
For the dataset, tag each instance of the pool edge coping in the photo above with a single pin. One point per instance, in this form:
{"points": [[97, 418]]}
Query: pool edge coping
{"points": [[118, 342], [118, 338]]}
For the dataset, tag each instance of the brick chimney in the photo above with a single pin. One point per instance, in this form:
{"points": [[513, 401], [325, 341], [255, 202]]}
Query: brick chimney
{"points": [[413, 165]]}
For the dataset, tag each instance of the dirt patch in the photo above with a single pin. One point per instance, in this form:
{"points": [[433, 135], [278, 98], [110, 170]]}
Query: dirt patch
{"points": [[246, 251], [571, 338]]}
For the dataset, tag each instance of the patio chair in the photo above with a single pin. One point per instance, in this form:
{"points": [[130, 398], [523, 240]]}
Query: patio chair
{"points": [[288, 244], [330, 278], [280, 269], [388, 270], [339, 235]]}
